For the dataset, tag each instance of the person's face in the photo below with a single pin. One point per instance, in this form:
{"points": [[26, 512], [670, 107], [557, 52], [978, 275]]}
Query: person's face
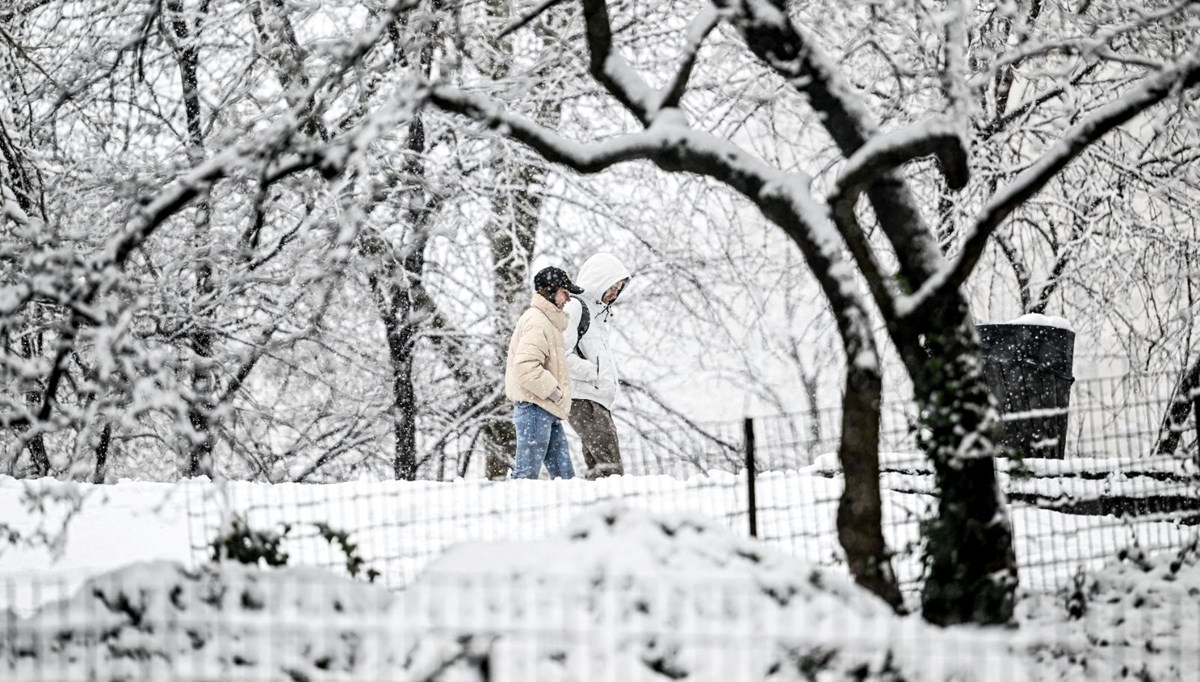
{"points": [[613, 292], [561, 296]]}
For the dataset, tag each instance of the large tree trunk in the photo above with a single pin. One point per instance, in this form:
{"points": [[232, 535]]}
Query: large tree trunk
{"points": [[401, 342], [860, 514], [1186, 400], [972, 570], [402, 303], [203, 372], [23, 184]]}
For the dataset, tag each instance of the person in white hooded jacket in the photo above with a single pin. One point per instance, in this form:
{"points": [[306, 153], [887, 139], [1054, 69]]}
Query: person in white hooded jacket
{"points": [[590, 363]]}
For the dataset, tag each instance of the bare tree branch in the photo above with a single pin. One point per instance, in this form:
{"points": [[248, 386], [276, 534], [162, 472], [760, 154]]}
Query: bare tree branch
{"points": [[1152, 90], [784, 198], [701, 26], [523, 20], [884, 153], [610, 69], [1020, 270], [794, 55]]}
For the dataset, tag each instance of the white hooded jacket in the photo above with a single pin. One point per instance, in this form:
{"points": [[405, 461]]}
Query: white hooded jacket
{"points": [[594, 375]]}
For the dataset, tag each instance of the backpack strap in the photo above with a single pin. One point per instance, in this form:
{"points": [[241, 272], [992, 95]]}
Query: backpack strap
{"points": [[585, 321]]}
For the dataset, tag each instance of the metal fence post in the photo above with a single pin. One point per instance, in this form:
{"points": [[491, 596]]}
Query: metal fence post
{"points": [[751, 473]]}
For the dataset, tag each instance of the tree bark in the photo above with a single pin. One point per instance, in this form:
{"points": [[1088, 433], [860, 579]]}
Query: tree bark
{"points": [[972, 575], [1185, 400], [36, 443], [14, 174], [203, 372], [102, 454], [970, 560], [403, 305], [860, 513], [401, 337]]}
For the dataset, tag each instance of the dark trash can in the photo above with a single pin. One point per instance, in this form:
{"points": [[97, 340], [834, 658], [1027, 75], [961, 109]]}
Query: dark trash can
{"points": [[1029, 369]]}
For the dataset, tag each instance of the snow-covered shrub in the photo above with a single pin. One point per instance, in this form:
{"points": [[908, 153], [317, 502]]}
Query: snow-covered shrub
{"points": [[264, 547], [158, 621], [618, 595], [245, 545], [626, 595], [354, 559], [1136, 618]]}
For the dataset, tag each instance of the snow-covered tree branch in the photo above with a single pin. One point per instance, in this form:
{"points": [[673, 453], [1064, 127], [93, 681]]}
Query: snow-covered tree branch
{"points": [[1152, 90]]}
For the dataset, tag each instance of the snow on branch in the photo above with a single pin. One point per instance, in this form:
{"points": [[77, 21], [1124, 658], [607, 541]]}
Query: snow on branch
{"points": [[795, 55], [701, 26], [670, 145], [784, 198], [939, 136], [617, 76], [523, 20], [954, 73], [1152, 90], [331, 160], [10, 207], [158, 209], [22, 10], [554, 147], [610, 69]]}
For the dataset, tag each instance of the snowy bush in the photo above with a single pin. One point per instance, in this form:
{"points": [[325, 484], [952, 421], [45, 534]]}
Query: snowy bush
{"points": [[256, 547], [1136, 618], [245, 545], [617, 595]]}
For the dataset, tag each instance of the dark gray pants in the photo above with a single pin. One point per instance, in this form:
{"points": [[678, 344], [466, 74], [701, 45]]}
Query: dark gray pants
{"points": [[601, 451]]}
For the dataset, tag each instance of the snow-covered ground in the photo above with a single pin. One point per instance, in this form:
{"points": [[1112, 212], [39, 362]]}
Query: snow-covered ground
{"points": [[400, 527], [628, 578], [618, 594]]}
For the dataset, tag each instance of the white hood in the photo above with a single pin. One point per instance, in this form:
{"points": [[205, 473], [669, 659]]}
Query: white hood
{"points": [[598, 274]]}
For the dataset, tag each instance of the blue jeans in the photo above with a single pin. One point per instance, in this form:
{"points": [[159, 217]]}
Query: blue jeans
{"points": [[540, 438]]}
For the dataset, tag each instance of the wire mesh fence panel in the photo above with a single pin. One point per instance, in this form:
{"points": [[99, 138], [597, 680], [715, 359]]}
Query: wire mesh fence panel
{"points": [[1109, 493], [396, 528], [1116, 493]]}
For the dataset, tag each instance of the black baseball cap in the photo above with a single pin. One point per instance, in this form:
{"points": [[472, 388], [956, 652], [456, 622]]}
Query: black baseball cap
{"points": [[553, 279]]}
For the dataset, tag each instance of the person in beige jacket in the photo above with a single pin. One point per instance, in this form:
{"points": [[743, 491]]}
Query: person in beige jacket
{"points": [[536, 379]]}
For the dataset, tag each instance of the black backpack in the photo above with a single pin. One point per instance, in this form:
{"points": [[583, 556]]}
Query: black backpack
{"points": [[585, 321]]}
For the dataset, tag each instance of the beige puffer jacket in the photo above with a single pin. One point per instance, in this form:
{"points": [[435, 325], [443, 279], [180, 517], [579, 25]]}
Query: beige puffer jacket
{"points": [[537, 363]]}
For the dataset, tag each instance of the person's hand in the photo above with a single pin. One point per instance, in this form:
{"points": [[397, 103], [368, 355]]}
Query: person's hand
{"points": [[556, 395]]}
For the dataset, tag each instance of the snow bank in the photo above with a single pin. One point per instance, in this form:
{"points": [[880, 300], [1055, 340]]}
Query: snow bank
{"points": [[619, 594], [158, 621], [61, 532], [679, 596]]}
